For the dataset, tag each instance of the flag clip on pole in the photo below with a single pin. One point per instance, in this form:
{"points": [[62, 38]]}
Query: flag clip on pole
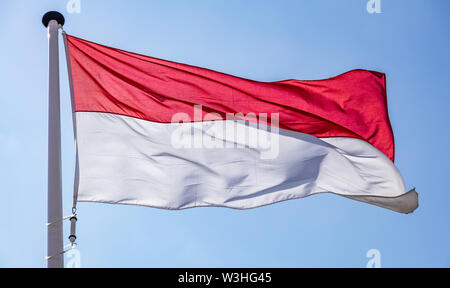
{"points": [[52, 21]]}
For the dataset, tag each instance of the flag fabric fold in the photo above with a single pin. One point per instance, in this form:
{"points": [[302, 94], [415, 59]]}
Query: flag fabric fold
{"points": [[168, 135]]}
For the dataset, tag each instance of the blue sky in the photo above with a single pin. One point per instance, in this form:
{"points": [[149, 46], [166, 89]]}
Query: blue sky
{"points": [[261, 40]]}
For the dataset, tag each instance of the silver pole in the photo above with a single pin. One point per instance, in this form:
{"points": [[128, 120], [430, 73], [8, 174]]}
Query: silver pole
{"points": [[52, 20]]}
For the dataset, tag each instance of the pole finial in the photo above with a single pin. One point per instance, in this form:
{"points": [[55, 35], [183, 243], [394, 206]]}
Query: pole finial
{"points": [[53, 15]]}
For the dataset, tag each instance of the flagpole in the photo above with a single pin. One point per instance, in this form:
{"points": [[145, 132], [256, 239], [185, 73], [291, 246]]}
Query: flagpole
{"points": [[52, 20]]}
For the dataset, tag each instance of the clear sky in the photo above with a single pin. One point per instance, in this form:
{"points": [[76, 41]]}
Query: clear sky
{"points": [[261, 40]]}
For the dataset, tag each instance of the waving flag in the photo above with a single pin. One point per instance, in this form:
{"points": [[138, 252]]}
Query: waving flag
{"points": [[168, 135]]}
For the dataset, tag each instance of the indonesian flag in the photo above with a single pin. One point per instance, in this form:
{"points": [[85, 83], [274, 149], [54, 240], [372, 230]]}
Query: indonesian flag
{"points": [[168, 135]]}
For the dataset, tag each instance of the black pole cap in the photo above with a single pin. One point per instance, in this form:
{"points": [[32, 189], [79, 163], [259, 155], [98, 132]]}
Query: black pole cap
{"points": [[53, 15]]}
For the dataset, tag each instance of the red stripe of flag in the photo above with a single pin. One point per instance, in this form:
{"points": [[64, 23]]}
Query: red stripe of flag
{"points": [[110, 80]]}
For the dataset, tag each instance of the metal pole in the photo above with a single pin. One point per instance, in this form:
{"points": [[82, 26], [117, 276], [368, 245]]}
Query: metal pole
{"points": [[52, 20]]}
